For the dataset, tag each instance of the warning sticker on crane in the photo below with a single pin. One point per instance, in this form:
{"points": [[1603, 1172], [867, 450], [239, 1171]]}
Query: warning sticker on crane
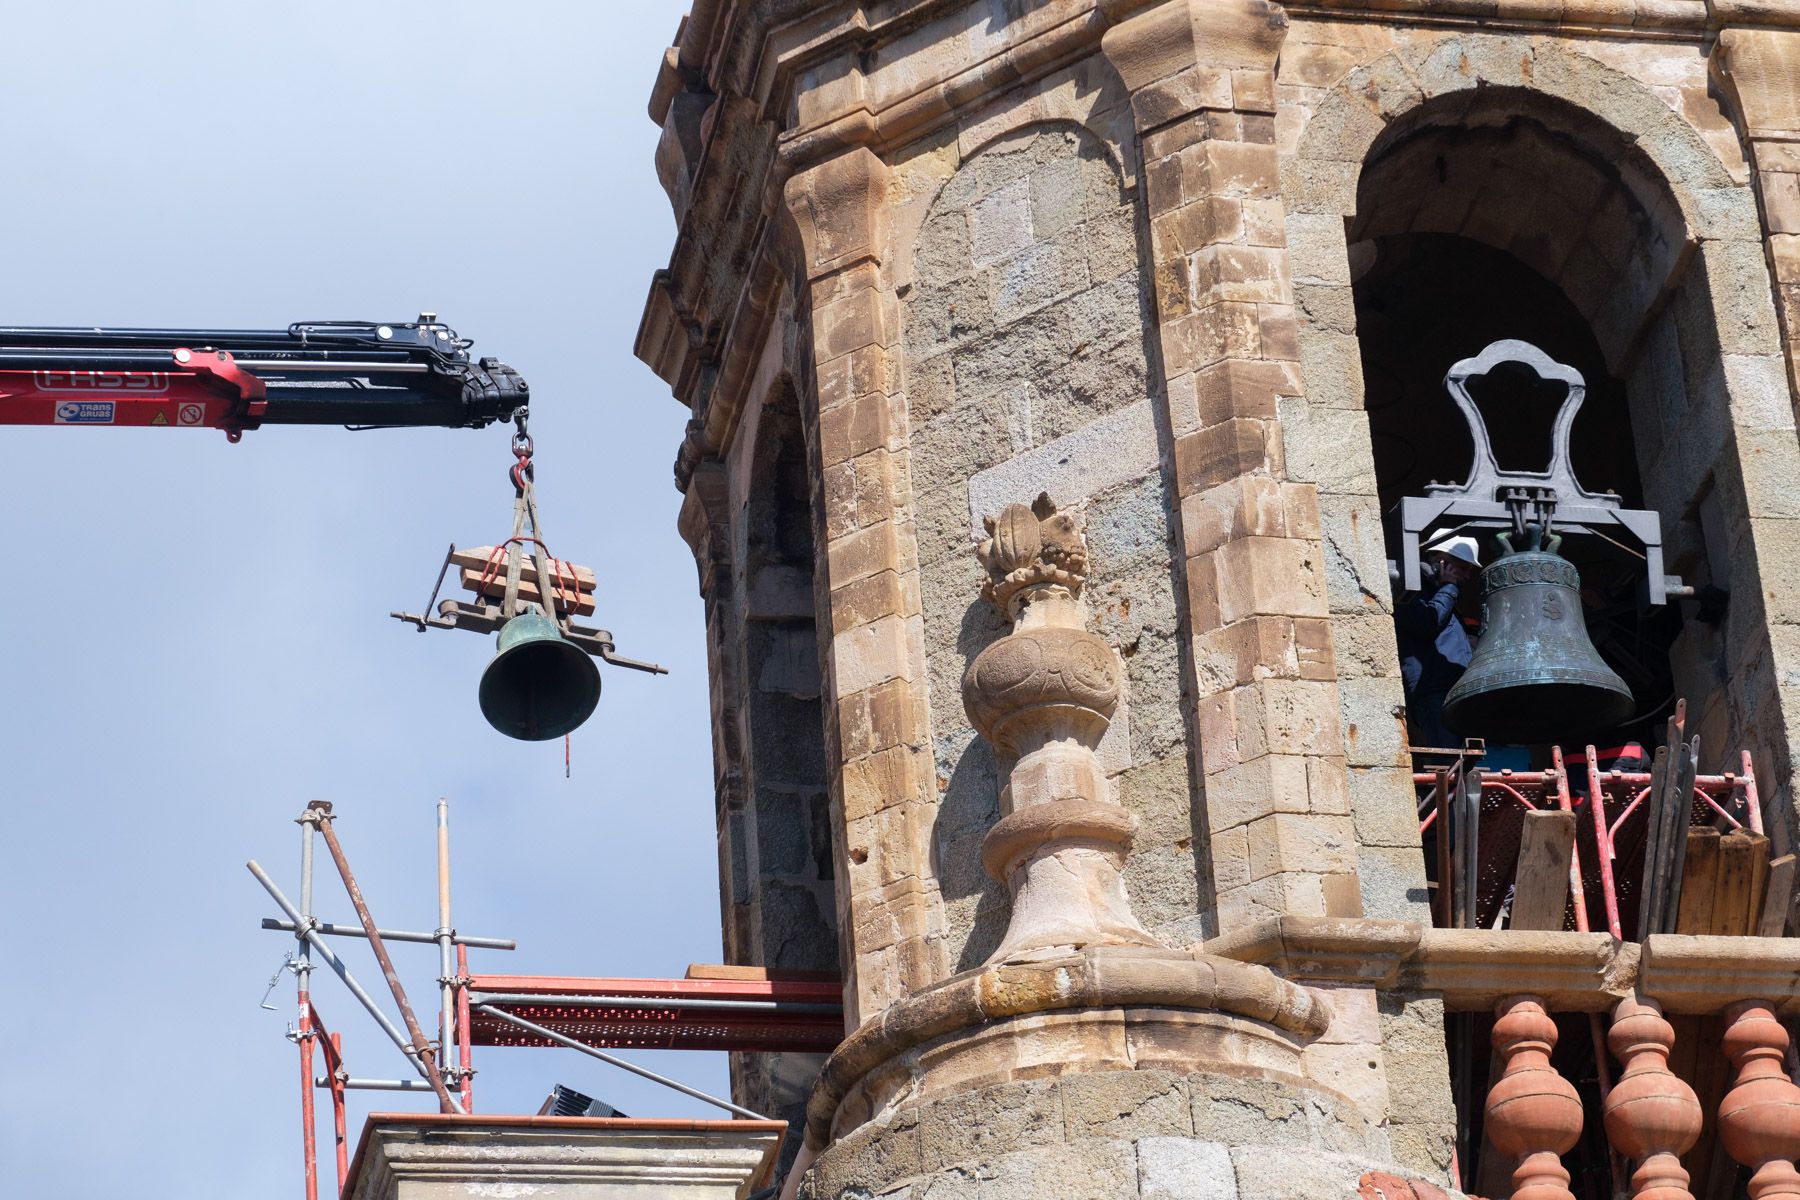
{"points": [[84, 412], [190, 414]]}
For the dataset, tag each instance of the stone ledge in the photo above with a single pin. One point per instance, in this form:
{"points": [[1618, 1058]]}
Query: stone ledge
{"points": [[561, 1158], [1472, 969], [1097, 977]]}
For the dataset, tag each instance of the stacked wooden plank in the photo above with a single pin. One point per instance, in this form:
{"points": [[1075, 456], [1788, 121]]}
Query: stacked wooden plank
{"points": [[483, 571]]}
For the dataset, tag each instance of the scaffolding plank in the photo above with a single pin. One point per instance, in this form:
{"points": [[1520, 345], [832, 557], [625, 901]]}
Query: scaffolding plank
{"points": [[1541, 884]]}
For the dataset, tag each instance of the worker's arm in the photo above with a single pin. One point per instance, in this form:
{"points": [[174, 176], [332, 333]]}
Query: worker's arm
{"points": [[1427, 612], [317, 373]]}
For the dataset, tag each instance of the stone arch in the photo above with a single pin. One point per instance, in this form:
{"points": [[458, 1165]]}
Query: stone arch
{"points": [[1086, 96], [1686, 324], [1025, 322], [778, 845]]}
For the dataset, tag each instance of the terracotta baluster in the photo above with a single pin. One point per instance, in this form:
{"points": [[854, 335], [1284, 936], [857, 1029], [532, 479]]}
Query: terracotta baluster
{"points": [[1533, 1113], [1759, 1119], [1652, 1116]]}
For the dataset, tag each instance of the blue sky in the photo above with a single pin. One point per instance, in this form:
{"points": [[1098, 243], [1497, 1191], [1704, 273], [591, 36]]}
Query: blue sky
{"points": [[197, 641]]}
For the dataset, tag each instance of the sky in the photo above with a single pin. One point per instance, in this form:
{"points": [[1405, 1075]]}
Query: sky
{"points": [[197, 641]]}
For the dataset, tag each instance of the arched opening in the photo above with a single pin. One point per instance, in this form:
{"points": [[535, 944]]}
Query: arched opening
{"points": [[781, 869], [1509, 214], [1520, 217]]}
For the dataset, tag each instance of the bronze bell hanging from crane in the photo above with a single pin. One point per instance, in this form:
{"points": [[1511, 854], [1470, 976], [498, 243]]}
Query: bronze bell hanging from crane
{"points": [[1535, 676], [542, 682]]}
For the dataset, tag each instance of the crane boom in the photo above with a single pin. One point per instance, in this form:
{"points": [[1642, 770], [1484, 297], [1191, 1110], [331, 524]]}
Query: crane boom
{"points": [[362, 374]]}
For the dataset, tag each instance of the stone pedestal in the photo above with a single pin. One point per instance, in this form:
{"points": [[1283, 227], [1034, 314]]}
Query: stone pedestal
{"points": [[433, 1156]]}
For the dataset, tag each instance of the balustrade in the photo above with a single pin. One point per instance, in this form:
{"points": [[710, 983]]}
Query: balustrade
{"points": [[1759, 1119], [1533, 1113], [1652, 1117]]}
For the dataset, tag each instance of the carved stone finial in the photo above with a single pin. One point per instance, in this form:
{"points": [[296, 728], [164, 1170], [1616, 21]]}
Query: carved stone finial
{"points": [[1043, 695], [1031, 547]]}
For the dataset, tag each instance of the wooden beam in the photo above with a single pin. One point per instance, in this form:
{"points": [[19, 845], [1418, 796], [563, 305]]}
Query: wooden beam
{"points": [[581, 605], [1699, 886], [1541, 881], [758, 974], [1777, 896], [476, 558], [1732, 899]]}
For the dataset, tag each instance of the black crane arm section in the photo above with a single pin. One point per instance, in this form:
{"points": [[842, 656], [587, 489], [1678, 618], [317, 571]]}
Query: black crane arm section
{"points": [[361, 374]]}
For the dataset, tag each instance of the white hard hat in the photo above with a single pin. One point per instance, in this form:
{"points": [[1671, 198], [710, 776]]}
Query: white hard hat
{"points": [[1461, 548]]}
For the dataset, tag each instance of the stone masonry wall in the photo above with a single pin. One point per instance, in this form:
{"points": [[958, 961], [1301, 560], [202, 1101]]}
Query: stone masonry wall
{"points": [[1025, 324], [1120, 1135]]}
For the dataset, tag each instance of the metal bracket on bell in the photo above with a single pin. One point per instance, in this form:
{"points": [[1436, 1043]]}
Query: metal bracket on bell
{"points": [[1495, 498]]}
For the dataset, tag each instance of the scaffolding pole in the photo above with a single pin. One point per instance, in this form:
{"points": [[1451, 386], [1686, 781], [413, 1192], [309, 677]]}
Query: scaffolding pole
{"points": [[421, 1047], [445, 935], [336, 964], [304, 1034]]}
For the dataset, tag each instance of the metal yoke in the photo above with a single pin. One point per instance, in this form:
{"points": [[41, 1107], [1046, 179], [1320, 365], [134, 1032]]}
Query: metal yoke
{"points": [[1495, 498]]}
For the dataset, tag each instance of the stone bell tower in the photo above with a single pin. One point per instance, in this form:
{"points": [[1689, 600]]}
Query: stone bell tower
{"points": [[1056, 704]]}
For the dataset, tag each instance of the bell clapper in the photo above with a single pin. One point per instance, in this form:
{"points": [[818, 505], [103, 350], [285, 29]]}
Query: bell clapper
{"points": [[542, 681]]}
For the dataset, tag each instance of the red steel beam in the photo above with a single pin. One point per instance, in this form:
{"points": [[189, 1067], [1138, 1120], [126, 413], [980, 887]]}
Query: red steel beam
{"points": [[631, 1016]]}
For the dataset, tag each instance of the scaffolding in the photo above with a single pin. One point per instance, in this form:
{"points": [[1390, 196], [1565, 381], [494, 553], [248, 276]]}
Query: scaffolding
{"points": [[723, 1009]]}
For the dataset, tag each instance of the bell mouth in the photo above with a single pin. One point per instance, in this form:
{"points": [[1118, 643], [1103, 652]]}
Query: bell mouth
{"points": [[1563, 710]]}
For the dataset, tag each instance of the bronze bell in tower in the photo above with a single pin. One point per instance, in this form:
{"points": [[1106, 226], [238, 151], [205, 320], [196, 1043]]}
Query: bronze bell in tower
{"points": [[1535, 676]]}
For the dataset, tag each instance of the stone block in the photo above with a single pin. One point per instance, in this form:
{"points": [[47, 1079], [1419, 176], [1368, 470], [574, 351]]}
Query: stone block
{"points": [[1393, 883], [1314, 1176], [1244, 388], [864, 553], [1328, 446], [1300, 716], [864, 423], [1092, 1169], [1384, 806], [1001, 223], [1125, 1105], [967, 1127], [1230, 858], [1374, 730], [870, 654], [1184, 1169], [1114, 449], [1758, 389], [1355, 1016], [1301, 842], [867, 599], [1270, 576], [1254, 789], [1353, 1071]]}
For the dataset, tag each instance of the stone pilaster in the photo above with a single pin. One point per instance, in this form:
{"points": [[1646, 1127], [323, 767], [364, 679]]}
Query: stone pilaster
{"points": [[706, 527], [1759, 70], [872, 647], [1201, 76]]}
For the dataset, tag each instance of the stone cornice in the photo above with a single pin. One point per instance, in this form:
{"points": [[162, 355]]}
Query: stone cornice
{"points": [[1094, 978], [1574, 972], [555, 1155]]}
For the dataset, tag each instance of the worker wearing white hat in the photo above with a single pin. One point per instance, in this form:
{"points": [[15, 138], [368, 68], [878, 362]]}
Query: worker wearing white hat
{"points": [[1434, 646]]}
